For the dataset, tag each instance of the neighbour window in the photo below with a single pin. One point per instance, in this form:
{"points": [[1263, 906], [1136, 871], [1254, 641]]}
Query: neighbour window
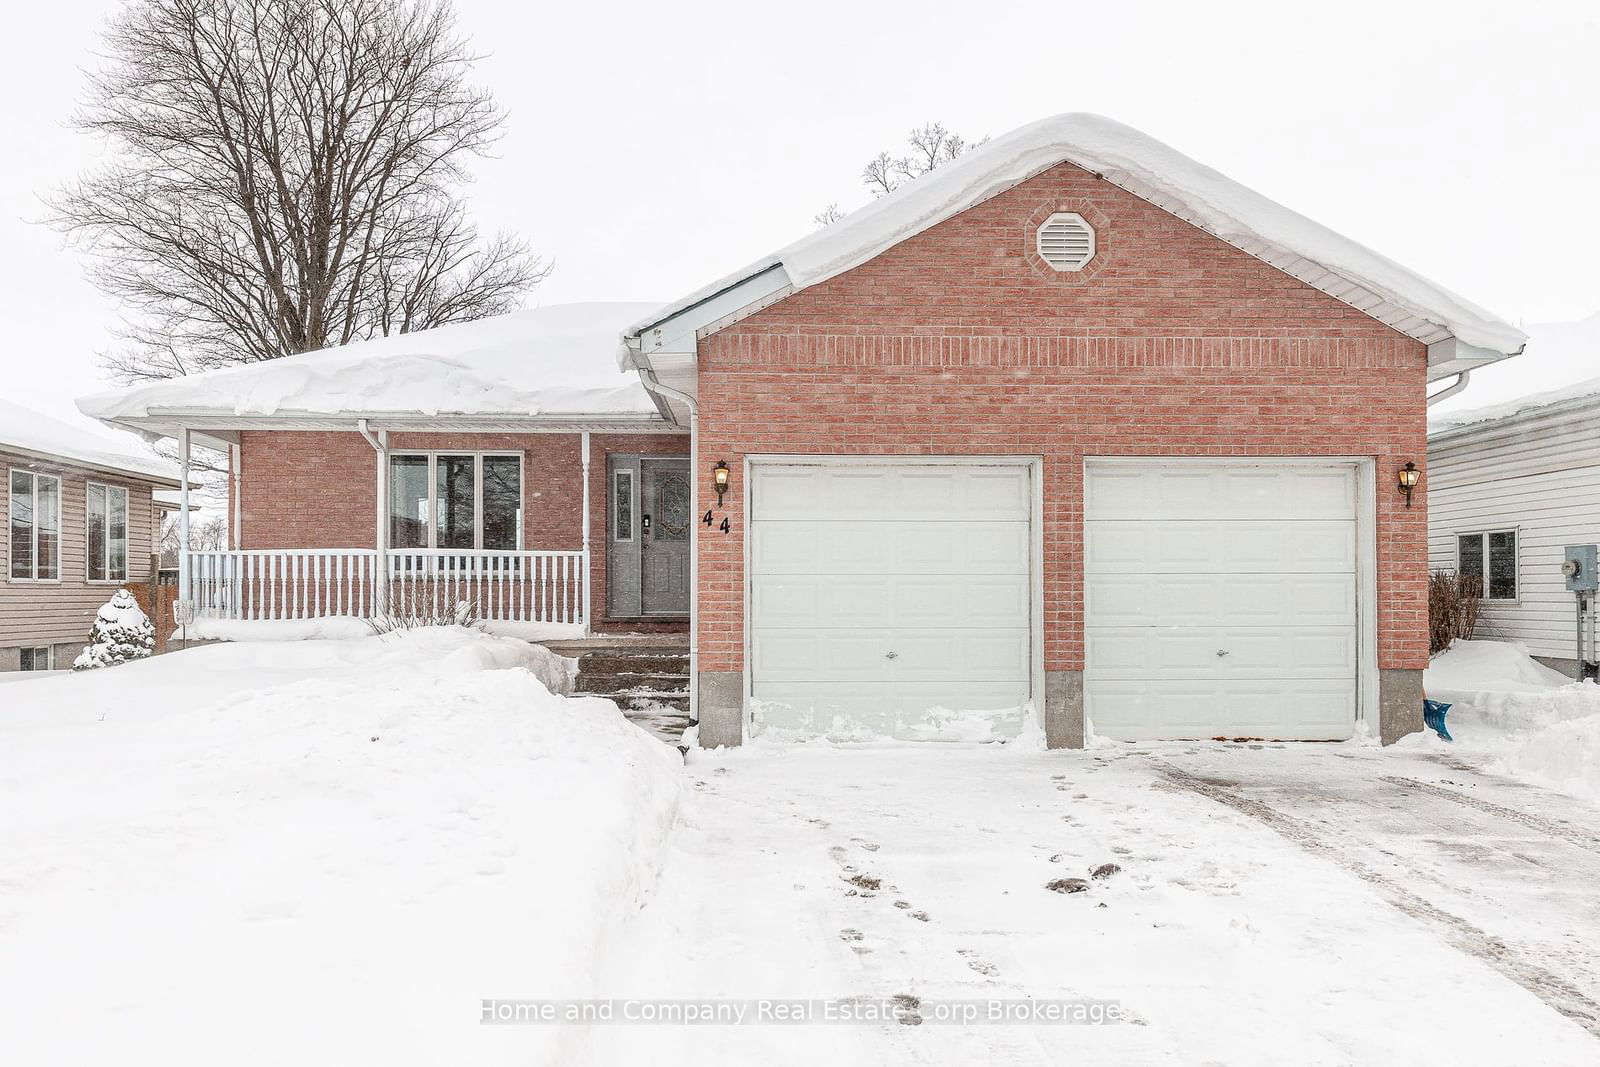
{"points": [[461, 500], [1490, 557], [108, 533], [38, 659], [622, 506], [35, 515]]}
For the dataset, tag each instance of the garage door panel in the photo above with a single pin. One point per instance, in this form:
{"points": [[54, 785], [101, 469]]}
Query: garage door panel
{"points": [[1220, 546], [1310, 710], [913, 493], [1286, 599], [1235, 493], [908, 712], [1191, 652], [875, 653]]}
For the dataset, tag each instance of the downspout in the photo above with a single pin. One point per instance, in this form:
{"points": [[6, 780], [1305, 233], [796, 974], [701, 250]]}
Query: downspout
{"points": [[1452, 389], [666, 392], [380, 528]]}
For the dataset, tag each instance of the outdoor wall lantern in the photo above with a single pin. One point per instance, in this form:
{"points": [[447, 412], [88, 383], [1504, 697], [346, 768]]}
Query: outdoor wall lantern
{"points": [[719, 480], [1409, 477]]}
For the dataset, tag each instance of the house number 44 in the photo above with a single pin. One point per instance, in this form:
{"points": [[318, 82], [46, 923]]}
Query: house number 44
{"points": [[723, 525]]}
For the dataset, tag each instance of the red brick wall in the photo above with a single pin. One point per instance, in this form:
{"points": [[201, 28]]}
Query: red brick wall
{"points": [[314, 489], [957, 342]]}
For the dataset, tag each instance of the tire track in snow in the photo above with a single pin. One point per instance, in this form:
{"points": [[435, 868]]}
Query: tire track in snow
{"points": [[1544, 824], [1554, 990]]}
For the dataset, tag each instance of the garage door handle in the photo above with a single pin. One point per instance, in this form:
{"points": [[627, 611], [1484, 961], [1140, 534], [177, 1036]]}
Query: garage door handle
{"points": [[892, 655]]}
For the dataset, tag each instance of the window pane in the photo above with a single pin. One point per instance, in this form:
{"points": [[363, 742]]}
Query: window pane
{"points": [[97, 532], [21, 525], [117, 553], [408, 501], [454, 489], [1471, 555], [48, 495], [622, 507], [36, 659], [1503, 566], [502, 502]]}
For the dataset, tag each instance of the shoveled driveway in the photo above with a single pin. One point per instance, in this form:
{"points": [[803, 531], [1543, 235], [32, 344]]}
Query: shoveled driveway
{"points": [[1305, 904]]}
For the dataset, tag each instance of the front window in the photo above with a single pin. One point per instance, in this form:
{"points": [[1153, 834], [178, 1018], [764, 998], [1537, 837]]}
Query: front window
{"points": [[108, 532], [38, 659], [1491, 558], [35, 518], [461, 500]]}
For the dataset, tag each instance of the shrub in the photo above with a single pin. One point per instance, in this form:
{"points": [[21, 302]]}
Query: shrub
{"points": [[121, 633], [417, 617], [1453, 602]]}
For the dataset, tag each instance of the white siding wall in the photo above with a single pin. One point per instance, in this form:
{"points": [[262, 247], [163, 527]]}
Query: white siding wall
{"points": [[1540, 477]]}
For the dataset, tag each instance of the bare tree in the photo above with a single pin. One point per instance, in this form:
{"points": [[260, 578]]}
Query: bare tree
{"points": [[285, 176], [209, 534], [827, 216], [932, 146]]}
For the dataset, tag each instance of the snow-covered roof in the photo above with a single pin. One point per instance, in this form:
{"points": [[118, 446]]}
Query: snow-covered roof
{"points": [[1562, 364], [554, 361], [27, 431], [1144, 166]]}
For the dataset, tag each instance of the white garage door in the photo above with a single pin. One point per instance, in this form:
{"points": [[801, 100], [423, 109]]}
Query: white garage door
{"points": [[1220, 601], [890, 601]]}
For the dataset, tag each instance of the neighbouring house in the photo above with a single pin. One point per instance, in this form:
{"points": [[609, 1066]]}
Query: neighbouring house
{"points": [[82, 521], [1072, 428], [1516, 481]]}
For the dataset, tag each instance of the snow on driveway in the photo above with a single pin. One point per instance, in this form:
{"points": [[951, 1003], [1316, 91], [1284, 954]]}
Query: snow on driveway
{"points": [[1306, 904]]}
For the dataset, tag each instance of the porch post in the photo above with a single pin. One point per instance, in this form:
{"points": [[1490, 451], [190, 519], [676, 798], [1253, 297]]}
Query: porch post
{"points": [[588, 578], [380, 532], [183, 516], [236, 477]]}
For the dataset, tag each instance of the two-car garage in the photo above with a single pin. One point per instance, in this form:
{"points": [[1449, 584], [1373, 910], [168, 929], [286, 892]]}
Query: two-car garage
{"points": [[904, 598]]}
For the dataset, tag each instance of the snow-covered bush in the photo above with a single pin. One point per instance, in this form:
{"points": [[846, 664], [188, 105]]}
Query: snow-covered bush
{"points": [[121, 632], [429, 612]]}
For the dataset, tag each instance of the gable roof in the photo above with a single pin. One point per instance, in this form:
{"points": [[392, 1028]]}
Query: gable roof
{"points": [[551, 362], [1155, 172], [27, 431], [1560, 367]]}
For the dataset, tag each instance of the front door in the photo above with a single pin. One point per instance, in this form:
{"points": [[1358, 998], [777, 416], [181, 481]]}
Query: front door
{"points": [[664, 535]]}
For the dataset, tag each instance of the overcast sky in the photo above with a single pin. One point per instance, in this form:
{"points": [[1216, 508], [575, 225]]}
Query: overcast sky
{"points": [[653, 147]]}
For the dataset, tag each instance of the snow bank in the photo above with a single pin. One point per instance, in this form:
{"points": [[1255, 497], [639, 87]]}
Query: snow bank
{"points": [[328, 628], [315, 852], [1517, 715], [33, 432], [547, 361], [1145, 167]]}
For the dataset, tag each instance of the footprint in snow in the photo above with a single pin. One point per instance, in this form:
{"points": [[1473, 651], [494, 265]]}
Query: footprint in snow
{"points": [[978, 963]]}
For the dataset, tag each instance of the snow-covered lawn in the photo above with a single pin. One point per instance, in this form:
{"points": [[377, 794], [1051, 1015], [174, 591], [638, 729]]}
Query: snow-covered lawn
{"points": [[321, 852], [1276, 904]]}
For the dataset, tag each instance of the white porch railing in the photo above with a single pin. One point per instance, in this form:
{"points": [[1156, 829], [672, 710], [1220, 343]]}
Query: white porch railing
{"points": [[500, 586], [293, 583], [307, 583]]}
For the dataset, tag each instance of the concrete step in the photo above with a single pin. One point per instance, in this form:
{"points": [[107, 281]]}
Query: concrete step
{"points": [[633, 663], [617, 683]]}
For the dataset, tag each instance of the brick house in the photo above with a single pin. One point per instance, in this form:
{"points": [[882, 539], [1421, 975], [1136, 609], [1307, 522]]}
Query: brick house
{"points": [[1073, 429], [83, 518]]}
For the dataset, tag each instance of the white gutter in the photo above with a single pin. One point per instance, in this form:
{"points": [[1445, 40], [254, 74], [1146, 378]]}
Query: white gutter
{"points": [[1452, 389], [666, 392]]}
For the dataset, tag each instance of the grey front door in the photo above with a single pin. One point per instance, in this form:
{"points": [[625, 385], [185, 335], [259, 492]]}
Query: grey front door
{"points": [[664, 535]]}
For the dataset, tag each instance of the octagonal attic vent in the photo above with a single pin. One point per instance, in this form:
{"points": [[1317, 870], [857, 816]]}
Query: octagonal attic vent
{"points": [[1066, 241]]}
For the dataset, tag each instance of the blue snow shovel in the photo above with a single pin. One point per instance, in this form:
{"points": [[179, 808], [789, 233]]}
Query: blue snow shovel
{"points": [[1433, 717]]}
